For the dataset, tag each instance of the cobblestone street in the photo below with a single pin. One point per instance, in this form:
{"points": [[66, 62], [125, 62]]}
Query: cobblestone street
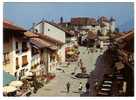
{"points": [[57, 86]]}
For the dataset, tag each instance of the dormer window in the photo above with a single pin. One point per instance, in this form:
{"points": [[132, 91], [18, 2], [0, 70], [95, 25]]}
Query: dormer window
{"points": [[24, 46]]}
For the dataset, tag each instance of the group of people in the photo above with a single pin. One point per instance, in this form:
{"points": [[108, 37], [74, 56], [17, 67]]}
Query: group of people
{"points": [[68, 87], [79, 88]]}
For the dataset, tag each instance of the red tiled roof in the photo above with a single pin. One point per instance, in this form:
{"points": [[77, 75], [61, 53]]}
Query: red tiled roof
{"points": [[44, 37], [126, 36], [39, 42], [43, 44], [11, 26]]}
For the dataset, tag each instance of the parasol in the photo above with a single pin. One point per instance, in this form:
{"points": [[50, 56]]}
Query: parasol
{"points": [[9, 89], [29, 74], [16, 83]]}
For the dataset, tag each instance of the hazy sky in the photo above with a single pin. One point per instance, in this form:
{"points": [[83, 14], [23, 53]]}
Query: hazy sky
{"points": [[24, 14]]}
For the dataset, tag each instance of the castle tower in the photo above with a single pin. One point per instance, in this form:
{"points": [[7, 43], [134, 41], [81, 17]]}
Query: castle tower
{"points": [[112, 24]]}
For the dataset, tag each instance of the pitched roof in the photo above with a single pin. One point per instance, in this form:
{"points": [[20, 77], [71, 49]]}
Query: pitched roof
{"points": [[51, 23], [10, 26], [43, 43], [39, 42], [126, 36], [44, 37]]}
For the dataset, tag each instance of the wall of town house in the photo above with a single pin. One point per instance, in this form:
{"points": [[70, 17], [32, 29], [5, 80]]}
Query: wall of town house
{"points": [[54, 32], [7, 48], [20, 55]]}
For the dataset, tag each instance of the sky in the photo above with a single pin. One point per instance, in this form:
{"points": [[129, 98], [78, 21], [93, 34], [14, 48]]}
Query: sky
{"points": [[24, 14]]}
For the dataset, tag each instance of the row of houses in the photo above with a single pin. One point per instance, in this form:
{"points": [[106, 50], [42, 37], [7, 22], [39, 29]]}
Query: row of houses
{"points": [[95, 31], [39, 49], [101, 25]]}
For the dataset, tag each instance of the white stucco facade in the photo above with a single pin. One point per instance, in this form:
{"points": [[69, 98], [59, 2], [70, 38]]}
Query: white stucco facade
{"points": [[19, 56], [53, 32]]}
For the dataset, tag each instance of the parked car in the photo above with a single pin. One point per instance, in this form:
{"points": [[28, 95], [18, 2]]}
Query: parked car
{"points": [[82, 75]]}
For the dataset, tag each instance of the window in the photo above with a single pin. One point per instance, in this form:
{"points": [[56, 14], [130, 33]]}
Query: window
{"points": [[17, 50], [24, 60], [24, 46], [17, 65], [16, 45], [22, 72], [6, 58], [34, 51]]}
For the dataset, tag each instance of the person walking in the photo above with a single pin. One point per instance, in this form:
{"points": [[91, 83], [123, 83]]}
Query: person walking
{"points": [[80, 63], [87, 87], [80, 87], [68, 87]]}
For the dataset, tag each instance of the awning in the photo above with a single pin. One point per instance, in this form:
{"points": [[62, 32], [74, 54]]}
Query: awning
{"points": [[9, 89], [16, 83], [7, 78], [28, 74], [53, 47], [119, 65]]}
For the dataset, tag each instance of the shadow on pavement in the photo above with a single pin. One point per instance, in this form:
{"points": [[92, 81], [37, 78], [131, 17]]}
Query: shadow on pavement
{"points": [[75, 92], [84, 94], [63, 91], [103, 65], [47, 89]]}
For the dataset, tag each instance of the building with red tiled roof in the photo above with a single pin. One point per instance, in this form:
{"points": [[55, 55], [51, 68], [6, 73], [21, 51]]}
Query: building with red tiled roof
{"points": [[10, 26], [16, 50], [54, 33]]}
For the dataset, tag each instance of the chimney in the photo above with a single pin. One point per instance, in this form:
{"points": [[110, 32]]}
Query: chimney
{"points": [[33, 28]]}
